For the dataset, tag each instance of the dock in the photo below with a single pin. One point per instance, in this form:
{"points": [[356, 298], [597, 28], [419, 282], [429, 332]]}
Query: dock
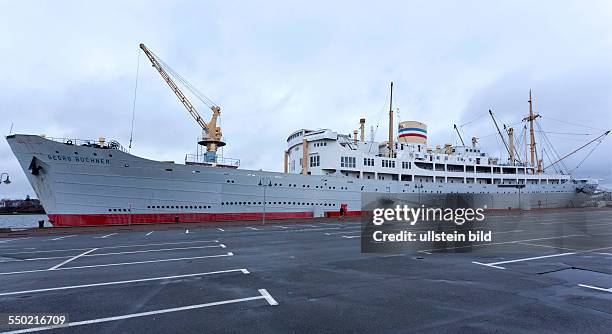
{"points": [[309, 276]]}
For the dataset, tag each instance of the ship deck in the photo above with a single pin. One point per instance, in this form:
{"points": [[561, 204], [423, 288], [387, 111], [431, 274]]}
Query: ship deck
{"points": [[310, 276]]}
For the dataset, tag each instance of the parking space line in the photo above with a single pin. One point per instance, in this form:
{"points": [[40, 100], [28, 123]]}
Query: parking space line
{"points": [[64, 237], [244, 271], [220, 229], [72, 259], [186, 231], [117, 253], [253, 228], [268, 297], [150, 233], [342, 232], [263, 294], [118, 264], [495, 264], [546, 246], [507, 242], [111, 247], [351, 236], [595, 288], [105, 236]]}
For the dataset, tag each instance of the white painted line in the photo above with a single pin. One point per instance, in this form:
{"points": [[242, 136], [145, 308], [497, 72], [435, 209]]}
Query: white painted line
{"points": [[283, 226], [267, 297], [119, 264], [351, 236], [244, 271], [596, 288], [609, 254], [253, 228], [14, 239], [509, 242], [117, 253], [488, 265], [220, 229], [72, 259], [150, 233], [342, 232], [105, 236], [545, 246], [495, 264], [111, 247], [66, 236]]}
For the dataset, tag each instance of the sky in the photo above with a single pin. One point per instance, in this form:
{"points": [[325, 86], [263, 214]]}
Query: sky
{"points": [[69, 70]]}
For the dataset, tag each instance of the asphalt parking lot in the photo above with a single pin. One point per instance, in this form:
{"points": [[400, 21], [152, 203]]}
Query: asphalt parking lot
{"points": [[308, 277]]}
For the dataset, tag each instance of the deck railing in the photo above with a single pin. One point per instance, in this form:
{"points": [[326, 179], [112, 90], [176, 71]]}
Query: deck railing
{"points": [[108, 144]]}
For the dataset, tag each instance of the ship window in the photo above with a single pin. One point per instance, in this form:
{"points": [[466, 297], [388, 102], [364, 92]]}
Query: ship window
{"points": [[314, 161], [95, 154], [110, 155], [348, 162], [75, 152]]}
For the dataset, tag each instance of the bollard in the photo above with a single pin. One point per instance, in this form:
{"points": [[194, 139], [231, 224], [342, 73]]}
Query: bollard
{"points": [[41, 224]]}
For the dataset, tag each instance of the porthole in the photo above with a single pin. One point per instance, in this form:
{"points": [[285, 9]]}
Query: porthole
{"points": [[95, 154], [110, 210], [75, 152], [56, 151], [110, 155]]}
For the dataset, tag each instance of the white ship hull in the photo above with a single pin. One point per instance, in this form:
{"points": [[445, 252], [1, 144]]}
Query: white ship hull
{"points": [[85, 185]]}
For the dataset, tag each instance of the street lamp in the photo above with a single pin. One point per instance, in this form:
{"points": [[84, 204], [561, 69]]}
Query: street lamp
{"points": [[5, 181], [264, 185]]}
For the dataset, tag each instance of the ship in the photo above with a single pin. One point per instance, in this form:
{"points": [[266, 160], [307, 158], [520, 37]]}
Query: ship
{"points": [[99, 182]]}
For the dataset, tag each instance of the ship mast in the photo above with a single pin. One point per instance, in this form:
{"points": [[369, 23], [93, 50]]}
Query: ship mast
{"points": [[530, 119], [391, 122]]}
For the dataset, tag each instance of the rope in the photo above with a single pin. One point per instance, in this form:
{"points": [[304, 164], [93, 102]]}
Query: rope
{"points": [[591, 151], [574, 124], [134, 102]]}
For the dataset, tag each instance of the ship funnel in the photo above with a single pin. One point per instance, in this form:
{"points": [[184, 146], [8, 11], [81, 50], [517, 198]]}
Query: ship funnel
{"points": [[355, 137], [413, 132]]}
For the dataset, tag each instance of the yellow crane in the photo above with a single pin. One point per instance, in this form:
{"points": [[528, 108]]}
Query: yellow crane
{"points": [[211, 133]]}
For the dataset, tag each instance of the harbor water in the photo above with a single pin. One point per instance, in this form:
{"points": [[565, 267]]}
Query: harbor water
{"points": [[22, 221]]}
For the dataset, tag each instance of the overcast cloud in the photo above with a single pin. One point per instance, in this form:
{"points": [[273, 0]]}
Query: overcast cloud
{"points": [[68, 70]]}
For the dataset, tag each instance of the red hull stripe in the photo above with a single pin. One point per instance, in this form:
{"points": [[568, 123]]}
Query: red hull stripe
{"points": [[125, 219], [412, 135]]}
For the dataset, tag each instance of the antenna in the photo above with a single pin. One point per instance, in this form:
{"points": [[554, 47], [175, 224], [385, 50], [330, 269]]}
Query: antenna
{"points": [[391, 122]]}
